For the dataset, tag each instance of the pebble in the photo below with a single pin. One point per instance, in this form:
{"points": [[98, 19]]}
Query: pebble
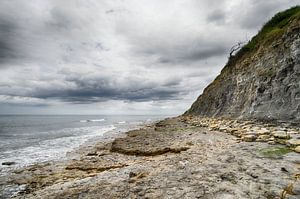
{"points": [[264, 137], [297, 149], [280, 134], [249, 138], [296, 188], [293, 142]]}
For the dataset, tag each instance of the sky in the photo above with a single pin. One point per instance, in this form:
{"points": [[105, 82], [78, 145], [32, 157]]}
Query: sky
{"points": [[112, 57]]}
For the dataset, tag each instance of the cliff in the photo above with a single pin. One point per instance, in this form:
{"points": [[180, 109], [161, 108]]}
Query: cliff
{"points": [[262, 81]]}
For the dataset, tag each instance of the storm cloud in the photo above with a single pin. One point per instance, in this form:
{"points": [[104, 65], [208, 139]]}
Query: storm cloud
{"points": [[118, 56]]}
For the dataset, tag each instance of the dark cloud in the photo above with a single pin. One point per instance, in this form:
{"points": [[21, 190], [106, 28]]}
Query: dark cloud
{"points": [[89, 90], [138, 51], [110, 11], [206, 52], [217, 16], [192, 55], [183, 53], [7, 48]]}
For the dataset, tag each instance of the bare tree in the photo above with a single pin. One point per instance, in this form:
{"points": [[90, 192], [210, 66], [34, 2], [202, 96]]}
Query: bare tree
{"points": [[235, 48]]}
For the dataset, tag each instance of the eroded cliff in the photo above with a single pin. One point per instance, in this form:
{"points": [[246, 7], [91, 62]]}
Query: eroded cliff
{"points": [[262, 81]]}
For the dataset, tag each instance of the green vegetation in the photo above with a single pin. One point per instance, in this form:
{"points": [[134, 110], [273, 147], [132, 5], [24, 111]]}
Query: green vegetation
{"points": [[275, 26], [275, 152], [271, 30]]}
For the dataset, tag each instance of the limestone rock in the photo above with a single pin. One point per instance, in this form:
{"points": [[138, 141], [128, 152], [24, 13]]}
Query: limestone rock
{"points": [[280, 134], [296, 188], [249, 138], [263, 131], [148, 142], [293, 142], [264, 137], [297, 149]]}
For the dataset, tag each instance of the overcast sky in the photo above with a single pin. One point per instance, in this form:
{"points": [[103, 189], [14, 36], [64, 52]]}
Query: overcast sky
{"points": [[118, 56]]}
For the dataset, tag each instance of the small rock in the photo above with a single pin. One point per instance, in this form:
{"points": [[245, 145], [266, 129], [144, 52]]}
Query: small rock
{"points": [[250, 133], [264, 137], [297, 149], [263, 131], [256, 128], [249, 138], [92, 154], [271, 139], [293, 132], [283, 169], [296, 188], [293, 142], [271, 142], [280, 134], [223, 128], [8, 163], [232, 130], [132, 174], [230, 176], [295, 136], [280, 141]]}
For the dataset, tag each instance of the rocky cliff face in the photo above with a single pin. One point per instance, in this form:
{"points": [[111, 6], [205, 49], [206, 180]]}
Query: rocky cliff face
{"points": [[262, 81]]}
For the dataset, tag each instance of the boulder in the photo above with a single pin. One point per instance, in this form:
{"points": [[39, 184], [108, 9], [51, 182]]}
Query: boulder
{"points": [[249, 138], [297, 149], [280, 134], [293, 142]]}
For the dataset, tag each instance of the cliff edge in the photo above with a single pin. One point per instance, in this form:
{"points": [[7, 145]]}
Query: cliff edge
{"points": [[262, 81]]}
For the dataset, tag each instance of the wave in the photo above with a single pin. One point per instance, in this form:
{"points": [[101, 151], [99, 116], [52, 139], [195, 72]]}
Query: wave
{"points": [[122, 122], [97, 120], [52, 149]]}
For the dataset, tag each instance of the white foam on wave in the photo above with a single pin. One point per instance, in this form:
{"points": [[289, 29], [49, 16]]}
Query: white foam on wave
{"points": [[52, 149], [96, 120], [122, 122]]}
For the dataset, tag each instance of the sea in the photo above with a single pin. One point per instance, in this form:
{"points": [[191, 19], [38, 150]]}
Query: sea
{"points": [[29, 139]]}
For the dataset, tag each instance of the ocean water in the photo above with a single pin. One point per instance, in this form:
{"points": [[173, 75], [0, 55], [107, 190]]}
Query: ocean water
{"points": [[28, 139]]}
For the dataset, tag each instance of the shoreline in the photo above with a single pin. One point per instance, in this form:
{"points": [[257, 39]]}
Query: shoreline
{"points": [[170, 158], [7, 190], [117, 128]]}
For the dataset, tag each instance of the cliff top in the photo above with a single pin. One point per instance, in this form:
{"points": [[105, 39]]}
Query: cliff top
{"points": [[270, 31]]}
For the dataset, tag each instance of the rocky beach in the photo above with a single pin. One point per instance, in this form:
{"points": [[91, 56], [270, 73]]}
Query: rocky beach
{"points": [[182, 157], [239, 140]]}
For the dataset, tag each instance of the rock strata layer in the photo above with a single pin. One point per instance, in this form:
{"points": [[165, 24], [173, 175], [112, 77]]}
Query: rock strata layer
{"points": [[262, 80]]}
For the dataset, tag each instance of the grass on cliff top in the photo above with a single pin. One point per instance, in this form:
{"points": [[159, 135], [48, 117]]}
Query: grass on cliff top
{"points": [[271, 30]]}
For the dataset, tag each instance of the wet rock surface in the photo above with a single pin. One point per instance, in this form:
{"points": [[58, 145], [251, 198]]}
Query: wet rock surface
{"points": [[149, 142], [8, 163], [184, 157]]}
